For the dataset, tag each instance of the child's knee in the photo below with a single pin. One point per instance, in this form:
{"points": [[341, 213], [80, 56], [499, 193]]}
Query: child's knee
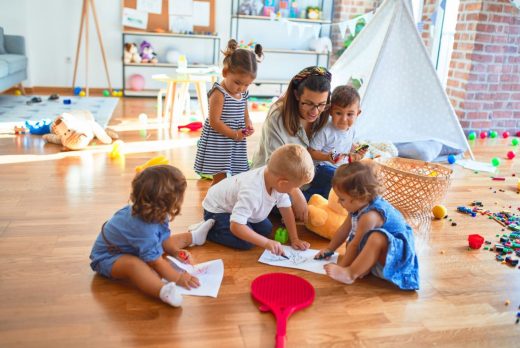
{"points": [[377, 239]]}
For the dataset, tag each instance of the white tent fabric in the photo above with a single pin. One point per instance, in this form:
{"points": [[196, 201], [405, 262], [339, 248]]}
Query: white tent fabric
{"points": [[402, 98]]}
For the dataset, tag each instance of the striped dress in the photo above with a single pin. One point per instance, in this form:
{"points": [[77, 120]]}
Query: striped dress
{"points": [[217, 153]]}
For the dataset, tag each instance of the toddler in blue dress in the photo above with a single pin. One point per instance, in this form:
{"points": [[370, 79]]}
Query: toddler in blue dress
{"points": [[134, 243], [378, 238]]}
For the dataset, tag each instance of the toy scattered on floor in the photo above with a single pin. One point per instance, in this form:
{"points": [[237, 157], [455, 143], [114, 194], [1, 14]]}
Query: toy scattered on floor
{"points": [[514, 141], [465, 210], [475, 241], [76, 129], [106, 93], [77, 90], [493, 134], [483, 135], [116, 93], [20, 130], [131, 53], [495, 161], [498, 178], [156, 161], [325, 216], [17, 92], [191, 127], [67, 101], [510, 155], [82, 94], [451, 159], [281, 235], [472, 135], [505, 135], [439, 211], [34, 100], [39, 127], [117, 149]]}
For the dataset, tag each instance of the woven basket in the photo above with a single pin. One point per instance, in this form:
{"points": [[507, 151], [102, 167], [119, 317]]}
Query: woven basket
{"points": [[413, 186]]}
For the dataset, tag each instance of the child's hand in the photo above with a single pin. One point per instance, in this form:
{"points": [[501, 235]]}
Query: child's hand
{"points": [[188, 281], [248, 131], [184, 256], [324, 254], [238, 135], [299, 244], [274, 247]]}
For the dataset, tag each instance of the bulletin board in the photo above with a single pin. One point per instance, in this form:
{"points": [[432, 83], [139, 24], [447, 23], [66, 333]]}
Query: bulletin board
{"points": [[202, 16]]}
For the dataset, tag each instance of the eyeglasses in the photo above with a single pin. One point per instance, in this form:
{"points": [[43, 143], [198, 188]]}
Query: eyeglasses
{"points": [[312, 106]]}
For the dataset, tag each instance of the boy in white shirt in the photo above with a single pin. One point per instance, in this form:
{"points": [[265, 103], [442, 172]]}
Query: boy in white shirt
{"points": [[333, 145], [240, 204]]}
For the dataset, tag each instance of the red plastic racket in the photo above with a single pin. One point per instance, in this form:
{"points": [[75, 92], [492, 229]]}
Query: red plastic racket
{"points": [[282, 294]]}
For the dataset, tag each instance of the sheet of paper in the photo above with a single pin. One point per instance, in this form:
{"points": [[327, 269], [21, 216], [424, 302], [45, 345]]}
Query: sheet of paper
{"points": [[180, 7], [298, 259], [210, 274], [201, 13], [179, 24], [150, 6], [479, 166], [135, 19]]}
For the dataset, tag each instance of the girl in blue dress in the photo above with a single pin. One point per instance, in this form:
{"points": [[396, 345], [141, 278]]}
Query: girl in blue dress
{"points": [[222, 149], [378, 239], [134, 243]]}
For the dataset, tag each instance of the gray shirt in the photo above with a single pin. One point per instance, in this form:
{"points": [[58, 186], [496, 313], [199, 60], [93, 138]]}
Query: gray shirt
{"points": [[274, 135]]}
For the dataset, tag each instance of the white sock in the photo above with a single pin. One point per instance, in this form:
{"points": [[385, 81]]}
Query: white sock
{"points": [[199, 231], [170, 296]]}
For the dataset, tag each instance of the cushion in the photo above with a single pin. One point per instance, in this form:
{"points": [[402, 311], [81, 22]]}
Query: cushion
{"points": [[2, 44], [4, 69], [15, 62], [427, 150]]}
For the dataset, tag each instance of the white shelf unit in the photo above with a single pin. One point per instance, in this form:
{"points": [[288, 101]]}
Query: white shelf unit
{"points": [[198, 56], [285, 43]]}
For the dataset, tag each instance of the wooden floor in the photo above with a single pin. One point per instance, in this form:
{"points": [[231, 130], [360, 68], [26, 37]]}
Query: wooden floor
{"points": [[52, 205]]}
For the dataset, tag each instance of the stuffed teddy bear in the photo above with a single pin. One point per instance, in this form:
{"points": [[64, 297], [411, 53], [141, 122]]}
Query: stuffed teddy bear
{"points": [[325, 216], [147, 53], [75, 130], [131, 54]]}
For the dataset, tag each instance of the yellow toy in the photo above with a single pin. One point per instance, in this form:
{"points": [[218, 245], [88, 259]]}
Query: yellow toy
{"points": [[117, 149], [156, 161], [325, 216], [439, 211]]}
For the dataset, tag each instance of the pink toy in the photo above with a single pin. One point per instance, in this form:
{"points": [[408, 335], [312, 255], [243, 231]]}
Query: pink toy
{"points": [[282, 294], [510, 154], [518, 134], [475, 241], [505, 134], [483, 135], [136, 82], [193, 126]]}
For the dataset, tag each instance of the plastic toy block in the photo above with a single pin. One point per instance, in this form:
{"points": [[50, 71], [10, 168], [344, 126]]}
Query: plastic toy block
{"points": [[281, 235]]}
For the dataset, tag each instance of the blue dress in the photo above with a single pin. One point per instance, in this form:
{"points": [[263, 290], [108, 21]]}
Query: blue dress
{"points": [[127, 234], [402, 266], [217, 153]]}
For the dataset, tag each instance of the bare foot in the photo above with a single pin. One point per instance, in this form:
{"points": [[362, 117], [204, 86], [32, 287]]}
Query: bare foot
{"points": [[341, 274]]}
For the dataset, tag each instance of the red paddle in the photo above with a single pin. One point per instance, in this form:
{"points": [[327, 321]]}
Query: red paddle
{"points": [[282, 294]]}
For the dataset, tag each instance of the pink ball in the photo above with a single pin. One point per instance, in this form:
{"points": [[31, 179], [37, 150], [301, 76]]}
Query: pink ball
{"points": [[483, 135], [136, 82], [505, 135], [511, 155]]}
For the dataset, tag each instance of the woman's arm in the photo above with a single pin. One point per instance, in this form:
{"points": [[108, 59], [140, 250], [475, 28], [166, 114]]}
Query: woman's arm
{"points": [[216, 105], [299, 205], [321, 156]]}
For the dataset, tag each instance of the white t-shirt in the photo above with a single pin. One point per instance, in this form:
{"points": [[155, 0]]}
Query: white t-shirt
{"points": [[330, 138], [245, 197]]}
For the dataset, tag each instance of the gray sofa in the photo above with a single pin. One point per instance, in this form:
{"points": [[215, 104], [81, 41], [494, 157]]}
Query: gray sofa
{"points": [[13, 62]]}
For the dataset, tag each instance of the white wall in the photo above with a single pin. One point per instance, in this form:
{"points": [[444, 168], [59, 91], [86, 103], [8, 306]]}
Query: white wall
{"points": [[51, 30]]}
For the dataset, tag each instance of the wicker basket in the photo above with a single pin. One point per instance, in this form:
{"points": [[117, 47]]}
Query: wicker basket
{"points": [[413, 186]]}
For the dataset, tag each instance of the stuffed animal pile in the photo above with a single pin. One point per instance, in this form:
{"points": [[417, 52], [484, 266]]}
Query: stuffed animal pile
{"points": [[75, 131]]}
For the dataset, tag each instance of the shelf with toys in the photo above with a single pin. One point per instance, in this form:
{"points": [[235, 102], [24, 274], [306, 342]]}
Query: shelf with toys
{"points": [[294, 34], [146, 52]]}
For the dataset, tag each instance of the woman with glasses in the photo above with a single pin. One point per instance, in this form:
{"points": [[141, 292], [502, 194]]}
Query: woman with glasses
{"points": [[294, 119]]}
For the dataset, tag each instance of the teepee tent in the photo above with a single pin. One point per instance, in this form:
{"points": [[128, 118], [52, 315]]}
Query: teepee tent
{"points": [[402, 98]]}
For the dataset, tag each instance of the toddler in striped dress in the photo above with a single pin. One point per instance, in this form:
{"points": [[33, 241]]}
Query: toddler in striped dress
{"points": [[222, 149]]}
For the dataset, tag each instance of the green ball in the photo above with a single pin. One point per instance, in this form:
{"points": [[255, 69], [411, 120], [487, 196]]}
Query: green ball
{"points": [[493, 134], [472, 135], [514, 141], [495, 161], [106, 93]]}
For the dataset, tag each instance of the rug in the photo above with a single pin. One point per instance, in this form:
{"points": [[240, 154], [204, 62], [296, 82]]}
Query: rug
{"points": [[15, 110]]}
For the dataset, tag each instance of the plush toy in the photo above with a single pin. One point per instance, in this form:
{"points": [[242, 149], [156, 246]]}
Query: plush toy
{"points": [[131, 54], [147, 53], [76, 129], [325, 216]]}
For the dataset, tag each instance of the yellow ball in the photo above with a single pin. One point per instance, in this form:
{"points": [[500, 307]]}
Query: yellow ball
{"points": [[82, 94], [439, 211], [17, 92]]}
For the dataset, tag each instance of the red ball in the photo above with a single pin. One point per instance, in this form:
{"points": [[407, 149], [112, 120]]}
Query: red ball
{"points": [[505, 134], [483, 135], [518, 134], [511, 155]]}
